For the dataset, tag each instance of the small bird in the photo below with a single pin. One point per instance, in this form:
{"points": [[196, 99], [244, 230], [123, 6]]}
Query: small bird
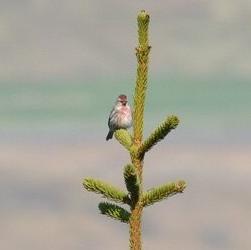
{"points": [[120, 116]]}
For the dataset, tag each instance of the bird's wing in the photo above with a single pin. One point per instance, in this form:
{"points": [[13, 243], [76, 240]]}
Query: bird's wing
{"points": [[112, 120]]}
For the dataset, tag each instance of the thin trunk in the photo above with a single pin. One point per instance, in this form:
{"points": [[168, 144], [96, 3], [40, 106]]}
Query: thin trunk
{"points": [[142, 52]]}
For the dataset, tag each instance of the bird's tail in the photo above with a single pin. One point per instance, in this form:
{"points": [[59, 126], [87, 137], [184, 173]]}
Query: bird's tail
{"points": [[109, 135]]}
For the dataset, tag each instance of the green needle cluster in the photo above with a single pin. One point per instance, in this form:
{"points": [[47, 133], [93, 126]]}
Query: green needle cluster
{"points": [[134, 195]]}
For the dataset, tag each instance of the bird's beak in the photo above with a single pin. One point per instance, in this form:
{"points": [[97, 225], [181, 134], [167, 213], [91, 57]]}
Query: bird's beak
{"points": [[124, 103]]}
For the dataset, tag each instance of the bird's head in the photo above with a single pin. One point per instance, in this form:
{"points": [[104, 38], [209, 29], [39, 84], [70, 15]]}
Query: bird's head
{"points": [[122, 99]]}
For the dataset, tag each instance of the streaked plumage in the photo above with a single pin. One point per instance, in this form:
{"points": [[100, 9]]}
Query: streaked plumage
{"points": [[120, 116]]}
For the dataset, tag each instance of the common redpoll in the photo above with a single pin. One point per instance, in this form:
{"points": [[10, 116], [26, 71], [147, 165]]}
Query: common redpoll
{"points": [[120, 116]]}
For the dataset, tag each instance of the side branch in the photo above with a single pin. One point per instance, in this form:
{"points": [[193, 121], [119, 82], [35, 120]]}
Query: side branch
{"points": [[124, 138], [162, 192], [114, 211], [108, 191], [132, 183], [158, 134]]}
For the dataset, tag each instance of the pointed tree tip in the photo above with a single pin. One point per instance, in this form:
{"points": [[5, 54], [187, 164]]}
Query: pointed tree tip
{"points": [[143, 16]]}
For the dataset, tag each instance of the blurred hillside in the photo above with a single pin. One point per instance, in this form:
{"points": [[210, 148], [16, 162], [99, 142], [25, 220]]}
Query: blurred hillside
{"points": [[63, 63]]}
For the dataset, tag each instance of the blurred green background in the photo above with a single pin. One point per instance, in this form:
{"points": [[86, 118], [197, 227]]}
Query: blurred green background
{"points": [[62, 65]]}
